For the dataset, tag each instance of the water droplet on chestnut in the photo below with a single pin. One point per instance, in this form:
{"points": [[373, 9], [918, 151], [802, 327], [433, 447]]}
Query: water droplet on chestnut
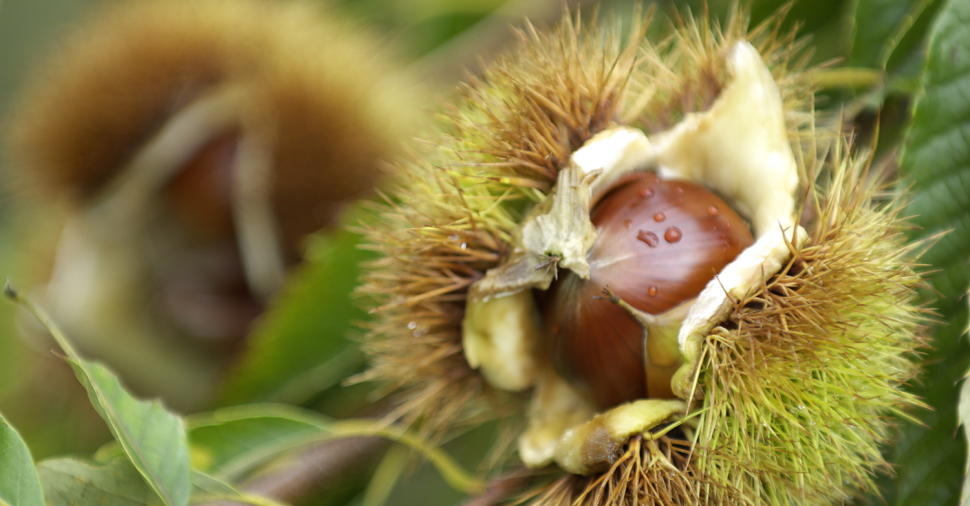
{"points": [[672, 235], [596, 343], [659, 217]]}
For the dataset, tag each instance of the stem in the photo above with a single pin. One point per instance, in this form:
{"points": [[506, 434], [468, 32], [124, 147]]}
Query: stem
{"points": [[257, 500], [252, 499], [453, 474], [651, 436], [320, 469], [450, 470], [847, 77], [386, 476]]}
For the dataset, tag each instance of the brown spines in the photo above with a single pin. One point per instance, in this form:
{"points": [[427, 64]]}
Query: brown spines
{"points": [[534, 107], [337, 113], [650, 472], [688, 68], [416, 340], [107, 89]]}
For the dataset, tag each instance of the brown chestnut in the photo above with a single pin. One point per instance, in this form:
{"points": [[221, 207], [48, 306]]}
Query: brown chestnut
{"points": [[658, 244], [201, 190]]}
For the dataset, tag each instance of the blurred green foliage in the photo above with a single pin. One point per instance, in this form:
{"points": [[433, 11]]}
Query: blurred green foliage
{"points": [[936, 163], [304, 345]]}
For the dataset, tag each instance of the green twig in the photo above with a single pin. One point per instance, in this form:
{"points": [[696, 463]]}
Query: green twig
{"points": [[450, 470], [386, 476], [330, 429], [847, 77], [254, 500]]}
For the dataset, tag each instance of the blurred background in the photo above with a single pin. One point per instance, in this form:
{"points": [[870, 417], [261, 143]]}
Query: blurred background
{"points": [[279, 326]]}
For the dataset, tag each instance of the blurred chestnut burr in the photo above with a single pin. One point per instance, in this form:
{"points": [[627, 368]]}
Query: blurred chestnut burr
{"points": [[199, 144]]}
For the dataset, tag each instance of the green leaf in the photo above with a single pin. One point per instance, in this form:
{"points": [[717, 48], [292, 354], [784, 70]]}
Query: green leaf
{"points": [[879, 26], [935, 162], [207, 485], [302, 346], [152, 437], [72, 482], [963, 408], [231, 441], [19, 485]]}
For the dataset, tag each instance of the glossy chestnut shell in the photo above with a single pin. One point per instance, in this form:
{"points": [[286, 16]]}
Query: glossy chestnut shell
{"points": [[658, 244]]}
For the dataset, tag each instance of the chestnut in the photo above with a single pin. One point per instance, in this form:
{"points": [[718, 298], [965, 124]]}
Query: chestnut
{"points": [[200, 192], [658, 244]]}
